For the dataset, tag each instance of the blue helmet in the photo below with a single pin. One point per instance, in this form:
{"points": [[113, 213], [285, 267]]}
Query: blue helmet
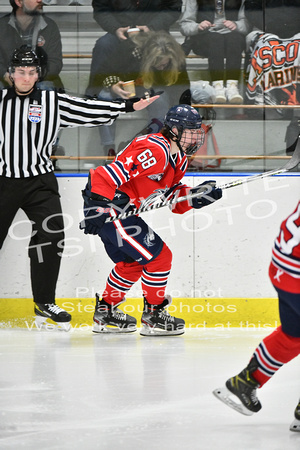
{"points": [[184, 117]]}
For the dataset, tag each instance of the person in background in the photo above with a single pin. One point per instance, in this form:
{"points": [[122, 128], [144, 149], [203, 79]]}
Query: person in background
{"points": [[277, 20], [280, 17], [155, 62], [28, 25], [283, 344], [216, 30], [30, 119], [118, 16]]}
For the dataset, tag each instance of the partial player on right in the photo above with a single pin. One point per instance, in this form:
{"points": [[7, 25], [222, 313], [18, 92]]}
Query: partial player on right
{"points": [[295, 425], [283, 344]]}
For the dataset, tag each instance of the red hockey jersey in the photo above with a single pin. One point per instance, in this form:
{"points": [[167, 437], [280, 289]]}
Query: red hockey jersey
{"points": [[284, 269], [145, 167]]}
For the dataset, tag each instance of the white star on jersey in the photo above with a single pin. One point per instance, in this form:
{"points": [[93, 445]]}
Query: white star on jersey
{"points": [[278, 275], [128, 160]]}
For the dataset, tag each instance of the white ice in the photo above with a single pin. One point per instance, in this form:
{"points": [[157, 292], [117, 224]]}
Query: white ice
{"points": [[79, 390]]}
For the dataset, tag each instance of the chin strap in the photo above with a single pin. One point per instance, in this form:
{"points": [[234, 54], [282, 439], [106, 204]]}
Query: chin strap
{"points": [[176, 138]]}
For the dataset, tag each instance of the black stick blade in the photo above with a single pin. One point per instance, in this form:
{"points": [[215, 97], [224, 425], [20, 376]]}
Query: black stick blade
{"points": [[295, 159]]}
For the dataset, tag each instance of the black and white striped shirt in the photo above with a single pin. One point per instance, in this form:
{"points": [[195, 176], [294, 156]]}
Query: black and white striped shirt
{"points": [[29, 127]]}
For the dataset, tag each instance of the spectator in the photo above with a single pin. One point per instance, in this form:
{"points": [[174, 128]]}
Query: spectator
{"points": [[217, 30], [280, 17], [154, 60], [276, 28], [27, 25], [117, 16]]}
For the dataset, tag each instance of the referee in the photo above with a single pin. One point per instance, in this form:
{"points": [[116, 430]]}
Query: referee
{"points": [[30, 119]]}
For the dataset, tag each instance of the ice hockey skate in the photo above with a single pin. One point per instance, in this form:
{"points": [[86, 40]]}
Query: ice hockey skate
{"points": [[109, 319], [243, 386], [295, 425], [156, 321], [50, 316]]}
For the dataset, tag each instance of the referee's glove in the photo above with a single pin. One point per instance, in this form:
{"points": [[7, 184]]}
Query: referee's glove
{"points": [[209, 194]]}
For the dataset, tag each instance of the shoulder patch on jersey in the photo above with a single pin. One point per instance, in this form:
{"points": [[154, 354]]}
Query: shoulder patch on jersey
{"points": [[156, 176]]}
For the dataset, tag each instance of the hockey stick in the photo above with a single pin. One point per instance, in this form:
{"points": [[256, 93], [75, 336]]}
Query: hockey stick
{"points": [[291, 164]]}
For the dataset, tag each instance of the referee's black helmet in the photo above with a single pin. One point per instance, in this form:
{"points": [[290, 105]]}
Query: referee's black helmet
{"points": [[24, 56]]}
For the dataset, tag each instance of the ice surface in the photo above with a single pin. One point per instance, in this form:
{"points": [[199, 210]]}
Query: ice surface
{"points": [[80, 390]]}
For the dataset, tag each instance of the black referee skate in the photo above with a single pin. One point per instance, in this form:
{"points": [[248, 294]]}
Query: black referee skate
{"points": [[53, 312], [109, 319], [157, 321], [244, 387], [295, 425]]}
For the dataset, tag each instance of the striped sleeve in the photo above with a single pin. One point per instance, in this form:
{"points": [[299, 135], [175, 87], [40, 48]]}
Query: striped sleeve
{"points": [[284, 270], [287, 263], [76, 111], [182, 189], [286, 250]]}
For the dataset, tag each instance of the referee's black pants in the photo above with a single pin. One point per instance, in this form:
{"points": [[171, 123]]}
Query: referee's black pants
{"points": [[39, 198]]}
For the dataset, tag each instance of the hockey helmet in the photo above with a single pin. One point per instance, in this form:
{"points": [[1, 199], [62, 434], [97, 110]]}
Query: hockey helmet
{"points": [[184, 117], [24, 56]]}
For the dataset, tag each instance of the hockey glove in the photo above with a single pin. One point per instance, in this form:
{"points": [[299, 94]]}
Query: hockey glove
{"points": [[95, 209], [210, 194]]}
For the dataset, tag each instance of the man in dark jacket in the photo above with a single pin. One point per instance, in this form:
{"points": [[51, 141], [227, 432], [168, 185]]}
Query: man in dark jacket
{"points": [[117, 16], [27, 25]]}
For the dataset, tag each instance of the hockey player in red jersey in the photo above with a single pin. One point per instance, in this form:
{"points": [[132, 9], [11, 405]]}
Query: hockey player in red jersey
{"points": [[283, 344], [150, 167]]}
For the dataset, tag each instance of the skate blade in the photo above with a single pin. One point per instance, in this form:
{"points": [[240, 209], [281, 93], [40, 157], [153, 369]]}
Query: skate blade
{"points": [[154, 331], [295, 426], [103, 328], [43, 323], [225, 396]]}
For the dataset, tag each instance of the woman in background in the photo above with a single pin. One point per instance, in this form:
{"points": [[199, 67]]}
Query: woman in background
{"points": [[156, 62]]}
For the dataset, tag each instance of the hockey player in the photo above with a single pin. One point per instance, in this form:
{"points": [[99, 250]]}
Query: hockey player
{"points": [[30, 119], [283, 344], [150, 166]]}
